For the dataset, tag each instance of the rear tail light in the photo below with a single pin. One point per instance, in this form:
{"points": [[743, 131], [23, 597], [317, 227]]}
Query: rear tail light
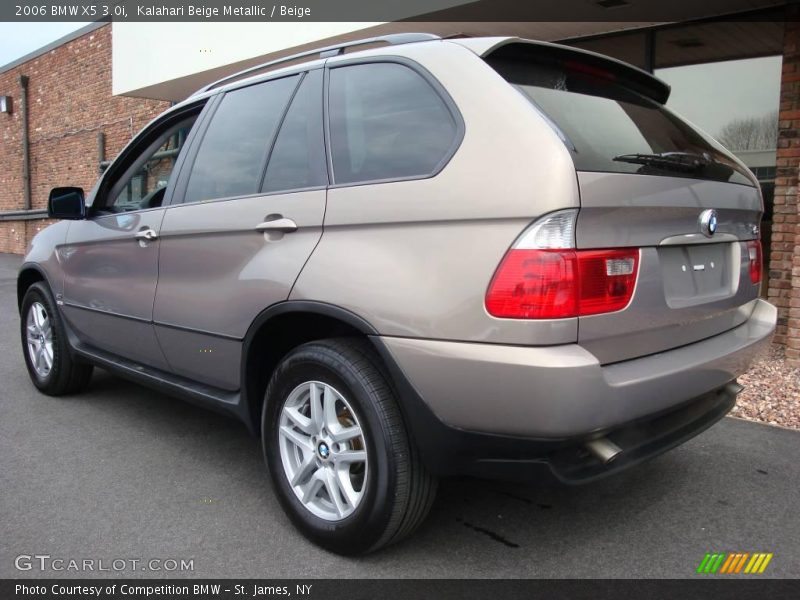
{"points": [[606, 279], [544, 277], [754, 256], [535, 284]]}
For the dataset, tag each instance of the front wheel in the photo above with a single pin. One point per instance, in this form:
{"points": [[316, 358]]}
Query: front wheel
{"points": [[338, 451], [52, 368]]}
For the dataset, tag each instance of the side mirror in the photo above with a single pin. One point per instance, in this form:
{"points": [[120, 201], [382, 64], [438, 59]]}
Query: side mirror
{"points": [[66, 203]]}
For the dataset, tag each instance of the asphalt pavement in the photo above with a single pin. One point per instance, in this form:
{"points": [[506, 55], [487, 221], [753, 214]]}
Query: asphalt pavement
{"points": [[121, 472]]}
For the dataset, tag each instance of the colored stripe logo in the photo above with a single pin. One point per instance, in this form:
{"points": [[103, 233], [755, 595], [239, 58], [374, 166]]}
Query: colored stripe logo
{"points": [[732, 563]]}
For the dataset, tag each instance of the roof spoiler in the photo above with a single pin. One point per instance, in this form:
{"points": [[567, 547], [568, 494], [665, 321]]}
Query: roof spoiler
{"points": [[603, 66]]}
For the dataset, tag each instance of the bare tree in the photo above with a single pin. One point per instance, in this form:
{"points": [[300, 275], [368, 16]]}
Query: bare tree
{"points": [[753, 133]]}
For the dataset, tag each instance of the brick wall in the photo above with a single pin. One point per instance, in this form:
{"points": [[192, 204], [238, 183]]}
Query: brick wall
{"points": [[784, 256], [15, 235], [69, 102]]}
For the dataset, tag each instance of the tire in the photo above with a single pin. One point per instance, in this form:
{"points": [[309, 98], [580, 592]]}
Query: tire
{"points": [[395, 492], [61, 374]]}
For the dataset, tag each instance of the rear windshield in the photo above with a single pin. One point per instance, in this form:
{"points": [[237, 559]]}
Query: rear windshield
{"points": [[611, 128]]}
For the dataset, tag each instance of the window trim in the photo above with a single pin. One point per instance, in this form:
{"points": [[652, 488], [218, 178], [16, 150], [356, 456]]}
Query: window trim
{"points": [[246, 196], [438, 89]]}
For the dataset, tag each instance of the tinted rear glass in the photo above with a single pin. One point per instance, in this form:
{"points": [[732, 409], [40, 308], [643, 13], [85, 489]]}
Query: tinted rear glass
{"points": [[603, 121], [386, 123]]}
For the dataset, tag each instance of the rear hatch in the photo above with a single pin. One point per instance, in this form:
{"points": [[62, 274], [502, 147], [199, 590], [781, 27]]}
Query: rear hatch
{"points": [[648, 180]]}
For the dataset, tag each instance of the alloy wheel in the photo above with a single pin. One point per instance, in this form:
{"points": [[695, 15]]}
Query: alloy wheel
{"points": [[40, 339], [323, 450]]}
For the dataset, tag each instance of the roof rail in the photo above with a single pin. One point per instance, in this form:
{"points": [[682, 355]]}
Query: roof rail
{"points": [[328, 51]]}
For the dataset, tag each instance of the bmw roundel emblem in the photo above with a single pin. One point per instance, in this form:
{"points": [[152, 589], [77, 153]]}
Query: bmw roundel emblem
{"points": [[708, 222], [324, 450]]}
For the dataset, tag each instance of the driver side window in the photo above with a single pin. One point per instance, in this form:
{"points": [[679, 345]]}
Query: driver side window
{"points": [[148, 179]]}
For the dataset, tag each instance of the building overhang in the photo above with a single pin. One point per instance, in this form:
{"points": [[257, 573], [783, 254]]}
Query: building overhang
{"points": [[169, 61]]}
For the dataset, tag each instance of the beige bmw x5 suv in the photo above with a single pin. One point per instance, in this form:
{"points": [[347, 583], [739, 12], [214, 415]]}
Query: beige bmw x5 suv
{"points": [[430, 257]]}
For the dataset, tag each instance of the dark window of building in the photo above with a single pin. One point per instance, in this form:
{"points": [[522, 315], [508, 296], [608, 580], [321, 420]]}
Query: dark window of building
{"points": [[764, 173], [298, 158], [232, 154], [386, 123]]}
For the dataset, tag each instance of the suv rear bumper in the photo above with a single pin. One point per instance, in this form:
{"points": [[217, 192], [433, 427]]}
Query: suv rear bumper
{"points": [[490, 402]]}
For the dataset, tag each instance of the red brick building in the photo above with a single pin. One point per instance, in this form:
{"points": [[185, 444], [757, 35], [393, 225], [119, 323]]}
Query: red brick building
{"points": [[69, 103], [784, 258]]}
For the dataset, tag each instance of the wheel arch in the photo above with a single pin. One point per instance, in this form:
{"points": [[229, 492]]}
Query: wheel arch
{"points": [[279, 329], [29, 274]]}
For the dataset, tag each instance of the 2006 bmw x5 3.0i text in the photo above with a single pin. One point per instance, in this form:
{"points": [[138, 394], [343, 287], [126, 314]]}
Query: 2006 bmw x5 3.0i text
{"points": [[488, 256]]}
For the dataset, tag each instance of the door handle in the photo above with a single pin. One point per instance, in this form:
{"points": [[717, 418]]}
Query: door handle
{"points": [[146, 235], [279, 224]]}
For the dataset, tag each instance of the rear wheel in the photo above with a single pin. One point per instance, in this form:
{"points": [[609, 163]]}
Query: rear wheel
{"points": [[44, 343], [338, 452]]}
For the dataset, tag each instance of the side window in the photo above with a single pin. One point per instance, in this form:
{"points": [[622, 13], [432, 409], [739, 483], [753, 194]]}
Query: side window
{"points": [[386, 122], [144, 184], [298, 158], [234, 148]]}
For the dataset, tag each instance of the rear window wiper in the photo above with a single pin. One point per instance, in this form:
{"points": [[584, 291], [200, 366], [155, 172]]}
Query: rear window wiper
{"points": [[678, 161]]}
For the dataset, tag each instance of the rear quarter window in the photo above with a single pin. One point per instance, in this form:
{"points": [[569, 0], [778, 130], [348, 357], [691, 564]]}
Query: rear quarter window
{"points": [[386, 123]]}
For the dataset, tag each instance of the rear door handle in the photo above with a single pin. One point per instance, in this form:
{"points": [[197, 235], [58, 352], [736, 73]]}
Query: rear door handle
{"points": [[279, 224], [146, 235]]}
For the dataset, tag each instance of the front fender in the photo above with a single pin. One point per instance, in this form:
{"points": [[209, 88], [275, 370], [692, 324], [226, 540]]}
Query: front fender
{"points": [[43, 258]]}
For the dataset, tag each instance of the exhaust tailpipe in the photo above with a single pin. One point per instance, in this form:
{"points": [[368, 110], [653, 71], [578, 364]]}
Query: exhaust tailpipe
{"points": [[603, 450], [734, 388]]}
